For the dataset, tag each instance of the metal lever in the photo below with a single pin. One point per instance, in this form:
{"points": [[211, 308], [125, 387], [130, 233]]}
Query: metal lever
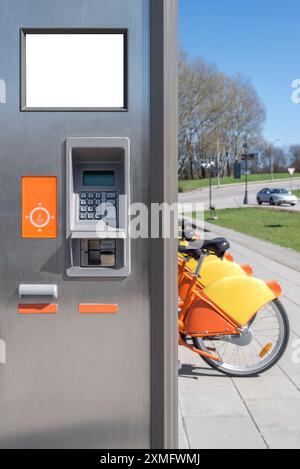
{"points": [[38, 290]]}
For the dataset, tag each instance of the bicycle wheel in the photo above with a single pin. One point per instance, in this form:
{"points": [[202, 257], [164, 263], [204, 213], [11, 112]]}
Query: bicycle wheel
{"points": [[257, 349]]}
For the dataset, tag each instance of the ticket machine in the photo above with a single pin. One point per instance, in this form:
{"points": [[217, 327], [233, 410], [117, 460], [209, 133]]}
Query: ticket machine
{"points": [[88, 126]]}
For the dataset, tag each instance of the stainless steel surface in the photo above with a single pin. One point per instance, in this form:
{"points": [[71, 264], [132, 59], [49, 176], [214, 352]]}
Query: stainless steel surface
{"points": [[72, 381], [38, 290]]}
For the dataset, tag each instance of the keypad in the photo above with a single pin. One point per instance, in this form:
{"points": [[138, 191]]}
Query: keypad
{"points": [[90, 204]]}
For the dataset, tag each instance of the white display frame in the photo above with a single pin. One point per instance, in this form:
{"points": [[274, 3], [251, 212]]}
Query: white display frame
{"points": [[109, 79]]}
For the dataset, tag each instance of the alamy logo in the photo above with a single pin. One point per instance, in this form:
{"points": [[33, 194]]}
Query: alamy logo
{"points": [[2, 92], [296, 92], [296, 353], [2, 352]]}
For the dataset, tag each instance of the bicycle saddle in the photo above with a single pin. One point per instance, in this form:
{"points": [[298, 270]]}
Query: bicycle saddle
{"points": [[217, 247]]}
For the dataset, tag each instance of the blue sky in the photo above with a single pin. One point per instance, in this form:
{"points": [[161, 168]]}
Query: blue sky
{"points": [[259, 39]]}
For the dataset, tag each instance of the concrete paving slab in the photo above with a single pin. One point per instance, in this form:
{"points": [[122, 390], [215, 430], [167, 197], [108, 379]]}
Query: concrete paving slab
{"points": [[223, 433], [182, 434], [290, 363], [294, 315], [282, 440], [182, 441], [209, 402], [268, 387], [276, 415]]}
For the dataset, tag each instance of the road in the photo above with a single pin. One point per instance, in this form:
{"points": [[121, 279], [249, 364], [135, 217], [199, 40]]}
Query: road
{"points": [[232, 196], [263, 412]]}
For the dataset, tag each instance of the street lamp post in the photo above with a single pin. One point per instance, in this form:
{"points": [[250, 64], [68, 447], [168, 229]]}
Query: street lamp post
{"points": [[247, 157], [218, 164], [246, 200], [246, 170], [212, 208]]}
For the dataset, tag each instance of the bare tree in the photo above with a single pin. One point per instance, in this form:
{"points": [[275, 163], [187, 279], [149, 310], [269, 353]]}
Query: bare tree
{"points": [[294, 151], [216, 114]]}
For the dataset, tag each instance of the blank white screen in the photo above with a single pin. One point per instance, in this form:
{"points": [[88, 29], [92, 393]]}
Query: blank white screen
{"points": [[75, 71]]}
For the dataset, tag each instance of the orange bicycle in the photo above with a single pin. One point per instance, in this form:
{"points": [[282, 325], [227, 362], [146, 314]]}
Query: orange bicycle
{"points": [[236, 323]]}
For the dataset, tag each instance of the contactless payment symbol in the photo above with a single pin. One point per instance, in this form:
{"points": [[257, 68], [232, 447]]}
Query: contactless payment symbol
{"points": [[40, 217]]}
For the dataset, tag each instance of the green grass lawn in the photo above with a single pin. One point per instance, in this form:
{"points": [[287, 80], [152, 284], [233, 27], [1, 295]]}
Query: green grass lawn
{"points": [[282, 228], [297, 193], [185, 186]]}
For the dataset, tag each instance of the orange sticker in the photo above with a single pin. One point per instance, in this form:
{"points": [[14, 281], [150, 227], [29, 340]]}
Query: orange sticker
{"points": [[38, 309], [39, 207], [98, 309]]}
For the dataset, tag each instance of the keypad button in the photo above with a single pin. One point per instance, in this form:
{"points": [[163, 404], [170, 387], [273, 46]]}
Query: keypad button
{"points": [[90, 202], [113, 202], [91, 195], [90, 209], [83, 216], [111, 195], [98, 195], [83, 209], [83, 195], [98, 216], [97, 203], [90, 216], [83, 203]]}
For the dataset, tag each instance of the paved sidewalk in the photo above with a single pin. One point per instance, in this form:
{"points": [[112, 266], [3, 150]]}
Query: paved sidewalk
{"points": [[263, 412]]}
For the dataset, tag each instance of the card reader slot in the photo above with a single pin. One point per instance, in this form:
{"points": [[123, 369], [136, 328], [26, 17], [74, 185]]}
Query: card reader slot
{"points": [[98, 253]]}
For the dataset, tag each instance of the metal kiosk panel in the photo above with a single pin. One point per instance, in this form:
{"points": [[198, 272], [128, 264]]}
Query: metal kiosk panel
{"points": [[90, 360]]}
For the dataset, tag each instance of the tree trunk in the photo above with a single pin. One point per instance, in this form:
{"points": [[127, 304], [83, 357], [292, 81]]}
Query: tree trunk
{"points": [[228, 169], [191, 168]]}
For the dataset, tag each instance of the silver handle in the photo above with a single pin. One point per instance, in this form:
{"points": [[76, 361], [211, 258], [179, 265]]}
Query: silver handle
{"points": [[38, 290]]}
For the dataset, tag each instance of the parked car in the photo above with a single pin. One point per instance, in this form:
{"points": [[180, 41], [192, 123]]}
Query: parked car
{"points": [[276, 197]]}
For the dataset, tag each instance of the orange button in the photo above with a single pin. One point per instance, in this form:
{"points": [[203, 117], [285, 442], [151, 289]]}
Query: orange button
{"points": [[39, 207], [38, 309], [98, 309]]}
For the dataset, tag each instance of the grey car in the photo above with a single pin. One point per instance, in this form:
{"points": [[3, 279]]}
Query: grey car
{"points": [[276, 197]]}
